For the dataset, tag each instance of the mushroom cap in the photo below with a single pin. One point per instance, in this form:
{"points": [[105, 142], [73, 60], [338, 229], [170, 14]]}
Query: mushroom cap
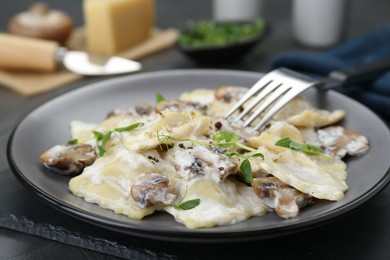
{"points": [[41, 22]]}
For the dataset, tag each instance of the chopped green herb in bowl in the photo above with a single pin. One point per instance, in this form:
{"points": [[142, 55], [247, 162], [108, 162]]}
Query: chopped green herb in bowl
{"points": [[208, 33], [208, 41]]}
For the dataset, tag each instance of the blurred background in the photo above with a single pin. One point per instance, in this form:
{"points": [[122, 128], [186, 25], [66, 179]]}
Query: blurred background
{"points": [[361, 16]]}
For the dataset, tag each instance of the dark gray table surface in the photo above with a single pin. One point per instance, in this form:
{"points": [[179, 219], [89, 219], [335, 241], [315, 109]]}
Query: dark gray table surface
{"points": [[30, 229]]}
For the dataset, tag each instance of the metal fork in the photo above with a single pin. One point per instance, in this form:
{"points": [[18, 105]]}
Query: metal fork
{"points": [[274, 90]]}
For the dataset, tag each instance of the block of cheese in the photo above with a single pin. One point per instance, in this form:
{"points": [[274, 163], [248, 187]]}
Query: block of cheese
{"points": [[116, 25]]}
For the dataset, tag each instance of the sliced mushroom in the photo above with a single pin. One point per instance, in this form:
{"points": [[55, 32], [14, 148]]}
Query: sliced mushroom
{"points": [[68, 159], [195, 167], [192, 160], [141, 109], [179, 106], [340, 141], [150, 189], [284, 199], [229, 94]]}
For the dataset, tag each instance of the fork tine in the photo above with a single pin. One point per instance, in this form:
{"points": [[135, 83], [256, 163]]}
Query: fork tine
{"points": [[271, 99], [262, 94], [262, 83], [287, 97], [273, 91]]}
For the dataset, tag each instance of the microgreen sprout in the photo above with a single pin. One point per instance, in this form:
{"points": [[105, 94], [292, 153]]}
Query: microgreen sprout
{"points": [[308, 149], [73, 141], [228, 141], [159, 98], [103, 138], [186, 205], [129, 128], [246, 170], [165, 139]]}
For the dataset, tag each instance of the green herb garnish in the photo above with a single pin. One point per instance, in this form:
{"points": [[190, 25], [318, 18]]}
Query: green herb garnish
{"points": [[308, 149], [228, 141], [246, 170], [159, 98], [102, 150], [129, 128], [98, 135], [103, 138], [224, 138], [186, 205], [73, 141], [208, 33], [106, 137], [165, 139]]}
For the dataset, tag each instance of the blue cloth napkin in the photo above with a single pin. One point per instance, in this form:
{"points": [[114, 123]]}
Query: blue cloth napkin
{"points": [[362, 49]]}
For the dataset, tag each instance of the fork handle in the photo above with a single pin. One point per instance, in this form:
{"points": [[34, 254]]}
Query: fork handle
{"points": [[360, 73]]}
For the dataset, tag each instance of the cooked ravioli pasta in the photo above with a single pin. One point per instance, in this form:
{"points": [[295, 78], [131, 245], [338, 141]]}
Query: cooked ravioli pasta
{"points": [[183, 158]]}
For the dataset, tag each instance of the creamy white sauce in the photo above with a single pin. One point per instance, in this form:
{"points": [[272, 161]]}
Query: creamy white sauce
{"points": [[230, 204], [223, 200]]}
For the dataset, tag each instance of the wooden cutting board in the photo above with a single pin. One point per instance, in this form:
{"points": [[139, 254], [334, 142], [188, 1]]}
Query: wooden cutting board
{"points": [[33, 83]]}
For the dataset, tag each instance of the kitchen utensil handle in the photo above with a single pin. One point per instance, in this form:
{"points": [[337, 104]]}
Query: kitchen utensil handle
{"points": [[360, 73], [22, 53]]}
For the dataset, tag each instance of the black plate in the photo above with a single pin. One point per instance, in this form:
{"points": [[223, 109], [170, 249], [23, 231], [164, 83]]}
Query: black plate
{"points": [[49, 125]]}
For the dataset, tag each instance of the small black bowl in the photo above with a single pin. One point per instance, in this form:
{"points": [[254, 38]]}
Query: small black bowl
{"points": [[231, 52]]}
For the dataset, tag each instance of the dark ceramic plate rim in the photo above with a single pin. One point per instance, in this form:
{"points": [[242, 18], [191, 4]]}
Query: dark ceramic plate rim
{"points": [[187, 235]]}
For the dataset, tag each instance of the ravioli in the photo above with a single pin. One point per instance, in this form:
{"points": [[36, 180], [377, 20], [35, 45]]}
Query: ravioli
{"points": [[183, 158], [223, 203], [317, 177], [299, 112], [108, 182]]}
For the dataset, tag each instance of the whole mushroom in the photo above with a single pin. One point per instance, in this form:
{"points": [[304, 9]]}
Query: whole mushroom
{"points": [[68, 159], [41, 22]]}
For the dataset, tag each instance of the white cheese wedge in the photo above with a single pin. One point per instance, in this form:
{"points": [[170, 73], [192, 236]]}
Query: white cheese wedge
{"points": [[116, 25]]}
